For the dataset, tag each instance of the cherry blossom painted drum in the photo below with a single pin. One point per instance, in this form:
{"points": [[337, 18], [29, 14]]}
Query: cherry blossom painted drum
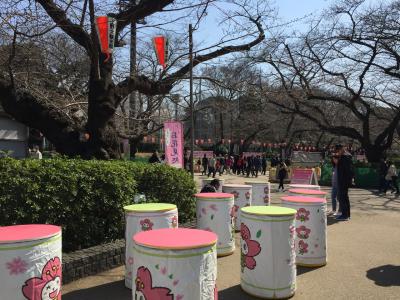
{"points": [[145, 217], [175, 264], [308, 193], [242, 198], [208, 180], [310, 235], [215, 213], [30, 262], [305, 186], [261, 192], [267, 261]]}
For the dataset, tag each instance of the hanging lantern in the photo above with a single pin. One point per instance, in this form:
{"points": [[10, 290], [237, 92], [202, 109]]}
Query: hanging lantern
{"points": [[201, 142], [209, 141], [145, 139], [223, 141], [161, 48], [196, 141], [106, 29], [153, 139], [242, 142]]}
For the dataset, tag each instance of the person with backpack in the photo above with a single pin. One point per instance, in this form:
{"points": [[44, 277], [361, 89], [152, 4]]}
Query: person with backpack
{"points": [[391, 178]]}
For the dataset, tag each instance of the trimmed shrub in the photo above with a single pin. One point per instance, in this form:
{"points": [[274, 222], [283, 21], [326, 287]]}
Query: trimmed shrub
{"points": [[86, 198]]}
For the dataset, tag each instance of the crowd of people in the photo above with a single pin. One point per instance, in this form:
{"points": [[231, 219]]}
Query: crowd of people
{"points": [[253, 165]]}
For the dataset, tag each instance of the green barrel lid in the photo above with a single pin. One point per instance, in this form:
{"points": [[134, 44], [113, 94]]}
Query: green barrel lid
{"points": [[269, 210], [150, 207]]}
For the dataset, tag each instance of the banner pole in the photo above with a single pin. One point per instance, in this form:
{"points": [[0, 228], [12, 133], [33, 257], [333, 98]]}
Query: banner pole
{"points": [[191, 100]]}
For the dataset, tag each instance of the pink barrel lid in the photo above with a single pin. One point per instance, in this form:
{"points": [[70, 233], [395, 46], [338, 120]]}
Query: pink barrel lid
{"points": [[29, 232], [213, 195], [303, 199], [307, 192], [175, 238]]}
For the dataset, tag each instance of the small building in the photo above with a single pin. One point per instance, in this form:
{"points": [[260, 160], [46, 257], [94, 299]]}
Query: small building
{"points": [[13, 136]]}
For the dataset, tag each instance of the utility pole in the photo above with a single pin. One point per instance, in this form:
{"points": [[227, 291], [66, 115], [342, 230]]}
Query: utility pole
{"points": [[191, 100]]}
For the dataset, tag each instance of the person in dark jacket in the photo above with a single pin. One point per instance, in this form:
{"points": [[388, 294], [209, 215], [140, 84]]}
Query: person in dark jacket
{"points": [[204, 163], [154, 158], [211, 187], [263, 165], [282, 172], [344, 180]]}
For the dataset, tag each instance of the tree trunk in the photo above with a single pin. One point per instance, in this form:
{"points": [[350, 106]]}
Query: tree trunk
{"points": [[374, 153]]}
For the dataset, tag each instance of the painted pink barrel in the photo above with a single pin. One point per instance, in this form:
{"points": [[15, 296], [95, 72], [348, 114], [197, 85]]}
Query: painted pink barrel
{"points": [[30, 262], [307, 192], [175, 264], [215, 213], [311, 229]]}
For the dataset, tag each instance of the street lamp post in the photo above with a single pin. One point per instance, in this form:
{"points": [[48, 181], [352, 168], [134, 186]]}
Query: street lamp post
{"points": [[191, 99]]}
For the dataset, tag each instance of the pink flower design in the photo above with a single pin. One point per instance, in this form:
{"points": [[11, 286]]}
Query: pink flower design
{"points": [[266, 199], [17, 266], [316, 246], [291, 230], [146, 224], [144, 288], [234, 211], [250, 249], [179, 297], [235, 194], [214, 207], [303, 247], [266, 190], [174, 222], [247, 195], [204, 211], [130, 260], [303, 232], [302, 215], [175, 282], [163, 270]]}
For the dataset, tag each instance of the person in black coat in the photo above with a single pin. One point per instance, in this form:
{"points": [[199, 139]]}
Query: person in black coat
{"points": [[211, 187], [344, 178]]}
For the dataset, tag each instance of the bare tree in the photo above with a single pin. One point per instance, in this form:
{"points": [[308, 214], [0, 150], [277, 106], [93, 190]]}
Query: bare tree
{"points": [[34, 20]]}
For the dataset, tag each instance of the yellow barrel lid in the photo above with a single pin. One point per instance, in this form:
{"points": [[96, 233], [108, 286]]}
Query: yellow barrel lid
{"points": [[150, 207], [268, 211]]}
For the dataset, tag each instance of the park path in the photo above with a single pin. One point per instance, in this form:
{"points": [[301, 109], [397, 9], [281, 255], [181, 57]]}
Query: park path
{"points": [[363, 259]]}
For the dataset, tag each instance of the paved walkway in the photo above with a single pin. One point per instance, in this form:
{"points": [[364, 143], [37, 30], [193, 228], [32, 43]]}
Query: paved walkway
{"points": [[363, 259]]}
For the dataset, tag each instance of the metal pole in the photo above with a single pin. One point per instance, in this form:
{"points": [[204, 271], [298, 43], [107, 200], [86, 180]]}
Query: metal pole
{"points": [[133, 70], [191, 100]]}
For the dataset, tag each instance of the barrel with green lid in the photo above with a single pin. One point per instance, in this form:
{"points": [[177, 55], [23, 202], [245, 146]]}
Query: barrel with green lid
{"points": [[268, 267], [242, 198], [215, 213], [261, 192], [145, 217]]}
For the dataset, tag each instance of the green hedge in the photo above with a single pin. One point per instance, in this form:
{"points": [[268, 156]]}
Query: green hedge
{"points": [[86, 198]]}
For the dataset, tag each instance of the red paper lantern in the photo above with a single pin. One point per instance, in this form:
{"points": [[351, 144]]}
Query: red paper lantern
{"points": [[196, 142], [201, 142], [229, 141], [242, 142], [145, 139], [209, 141], [153, 139], [223, 141]]}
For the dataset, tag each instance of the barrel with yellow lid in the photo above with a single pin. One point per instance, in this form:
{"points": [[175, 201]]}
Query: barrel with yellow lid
{"points": [[311, 229], [268, 268], [145, 217], [242, 197], [175, 264]]}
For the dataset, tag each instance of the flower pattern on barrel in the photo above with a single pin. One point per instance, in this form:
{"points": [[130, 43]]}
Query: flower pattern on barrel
{"points": [[17, 266], [235, 194], [250, 249], [302, 215], [247, 195], [146, 224], [303, 247], [174, 222], [303, 232], [46, 287], [146, 291]]}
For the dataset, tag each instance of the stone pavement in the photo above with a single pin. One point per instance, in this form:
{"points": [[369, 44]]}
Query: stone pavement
{"points": [[363, 259]]}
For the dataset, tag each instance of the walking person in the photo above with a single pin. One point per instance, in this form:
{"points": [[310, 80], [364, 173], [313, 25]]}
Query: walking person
{"points": [[391, 178], [344, 179], [263, 165], [282, 172], [383, 169], [257, 165], [204, 163], [212, 162]]}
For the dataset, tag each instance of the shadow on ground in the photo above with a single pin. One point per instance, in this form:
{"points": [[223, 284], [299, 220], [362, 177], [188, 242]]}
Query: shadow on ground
{"points": [[234, 293], [114, 290], [387, 275]]}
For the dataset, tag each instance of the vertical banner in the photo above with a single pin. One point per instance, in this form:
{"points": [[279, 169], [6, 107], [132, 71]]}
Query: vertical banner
{"points": [[106, 29], [173, 133], [161, 48]]}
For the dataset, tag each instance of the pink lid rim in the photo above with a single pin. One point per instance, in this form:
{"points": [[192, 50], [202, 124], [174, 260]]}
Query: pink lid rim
{"points": [[214, 195], [27, 232], [303, 199], [307, 191]]}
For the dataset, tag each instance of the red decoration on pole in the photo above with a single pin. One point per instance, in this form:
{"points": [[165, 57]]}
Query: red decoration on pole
{"points": [[196, 142], [229, 141], [201, 142], [106, 30], [161, 47], [209, 141], [242, 142], [145, 139]]}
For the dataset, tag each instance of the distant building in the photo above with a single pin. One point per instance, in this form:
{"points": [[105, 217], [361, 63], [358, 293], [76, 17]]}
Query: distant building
{"points": [[13, 136]]}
